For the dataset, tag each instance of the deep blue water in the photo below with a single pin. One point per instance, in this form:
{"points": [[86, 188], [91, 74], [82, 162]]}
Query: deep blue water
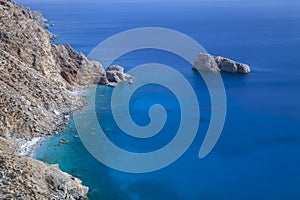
{"points": [[258, 154]]}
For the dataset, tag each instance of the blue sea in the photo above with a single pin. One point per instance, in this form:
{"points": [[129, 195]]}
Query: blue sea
{"points": [[258, 153]]}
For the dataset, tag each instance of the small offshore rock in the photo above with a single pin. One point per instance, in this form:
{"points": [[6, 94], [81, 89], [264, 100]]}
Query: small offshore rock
{"points": [[207, 62], [115, 74]]}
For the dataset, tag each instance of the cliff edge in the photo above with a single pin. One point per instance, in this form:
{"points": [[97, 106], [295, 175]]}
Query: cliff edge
{"points": [[39, 86]]}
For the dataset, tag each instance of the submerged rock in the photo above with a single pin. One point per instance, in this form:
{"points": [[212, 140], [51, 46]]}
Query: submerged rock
{"points": [[131, 81], [63, 141], [207, 62]]}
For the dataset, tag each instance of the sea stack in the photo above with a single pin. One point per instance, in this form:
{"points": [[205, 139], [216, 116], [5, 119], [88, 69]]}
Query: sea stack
{"points": [[210, 63]]}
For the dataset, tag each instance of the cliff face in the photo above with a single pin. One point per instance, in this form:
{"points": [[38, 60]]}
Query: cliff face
{"points": [[37, 77], [39, 84]]}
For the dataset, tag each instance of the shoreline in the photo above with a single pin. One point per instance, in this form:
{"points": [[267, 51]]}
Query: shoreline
{"points": [[39, 93], [29, 148]]}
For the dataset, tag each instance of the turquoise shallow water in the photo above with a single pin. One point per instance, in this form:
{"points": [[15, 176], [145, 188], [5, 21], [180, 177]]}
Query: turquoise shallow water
{"points": [[258, 154]]}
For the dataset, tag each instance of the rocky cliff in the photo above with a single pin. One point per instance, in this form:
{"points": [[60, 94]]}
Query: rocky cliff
{"points": [[39, 86], [26, 178]]}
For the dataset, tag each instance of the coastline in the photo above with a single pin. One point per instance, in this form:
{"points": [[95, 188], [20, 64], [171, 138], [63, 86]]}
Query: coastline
{"points": [[41, 83], [257, 154], [38, 101], [29, 148]]}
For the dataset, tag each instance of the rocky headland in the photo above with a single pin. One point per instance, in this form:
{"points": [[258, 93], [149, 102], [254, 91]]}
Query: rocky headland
{"points": [[40, 84]]}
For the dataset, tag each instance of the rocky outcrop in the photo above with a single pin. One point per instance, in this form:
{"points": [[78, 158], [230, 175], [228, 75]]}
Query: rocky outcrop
{"points": [[36, 16], [26, 178], [207, 62], [75, 68], [115, 74]]}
